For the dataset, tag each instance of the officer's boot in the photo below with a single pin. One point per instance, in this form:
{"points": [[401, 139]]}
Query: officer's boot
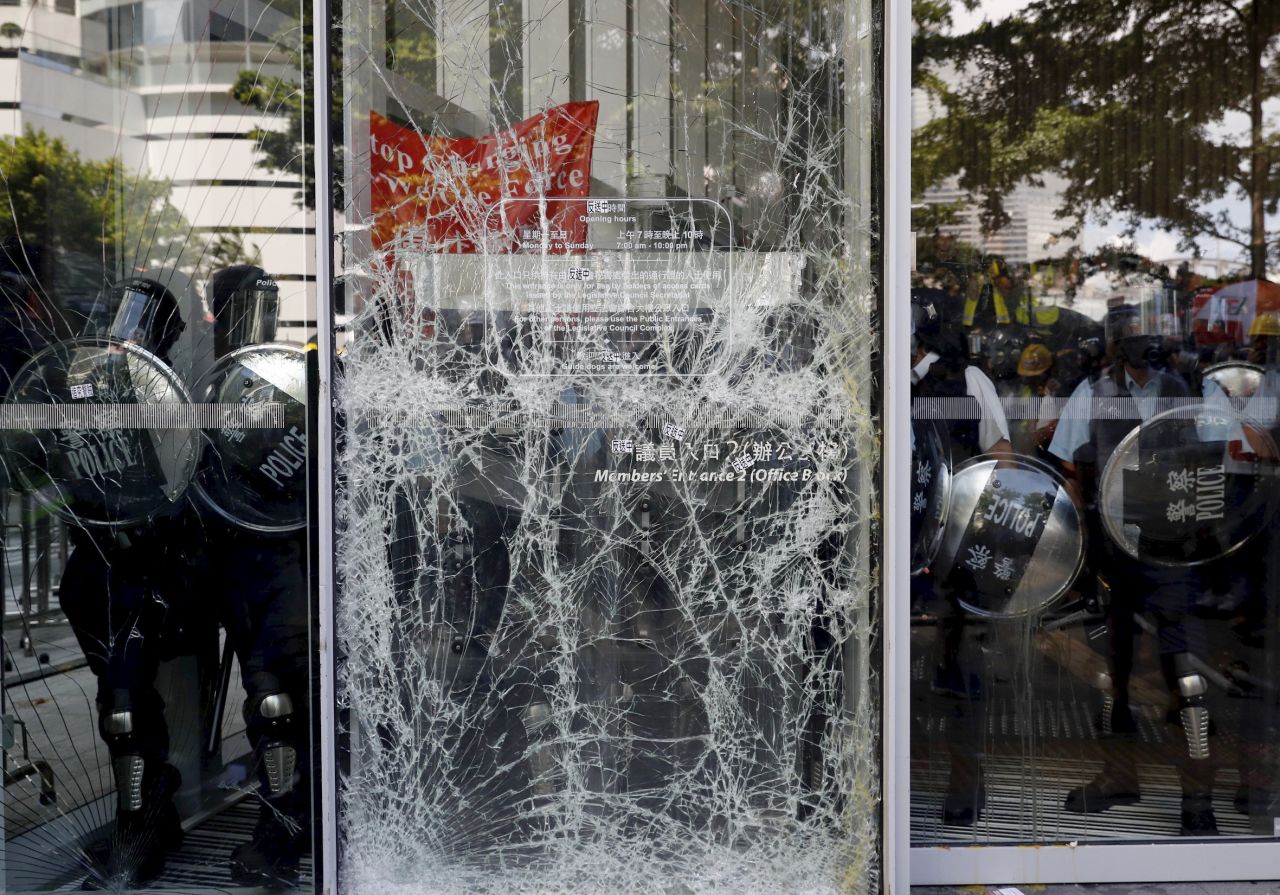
{"points": [[966, 790], [1195, 774], [282, 835], [1115, 784], [147, 827]]}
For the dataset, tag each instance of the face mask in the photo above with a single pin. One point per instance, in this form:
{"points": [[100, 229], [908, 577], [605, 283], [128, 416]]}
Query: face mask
{"points": [[1136, 351]]}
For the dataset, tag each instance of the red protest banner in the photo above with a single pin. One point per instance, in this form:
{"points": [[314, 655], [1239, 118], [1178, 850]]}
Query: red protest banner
{"points": [[441, 193]]}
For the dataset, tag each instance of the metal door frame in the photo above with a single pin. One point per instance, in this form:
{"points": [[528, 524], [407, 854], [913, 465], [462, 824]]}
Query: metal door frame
{"points": [[895, 454], [895, 117]]}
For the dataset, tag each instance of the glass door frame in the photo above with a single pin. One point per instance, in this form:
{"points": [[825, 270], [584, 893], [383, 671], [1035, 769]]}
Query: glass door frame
{"points": [[895, 255], [1102, 862], [903, 864]]}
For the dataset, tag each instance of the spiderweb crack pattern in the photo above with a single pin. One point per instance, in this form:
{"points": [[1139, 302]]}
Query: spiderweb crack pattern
{"points": [[555, 675]]}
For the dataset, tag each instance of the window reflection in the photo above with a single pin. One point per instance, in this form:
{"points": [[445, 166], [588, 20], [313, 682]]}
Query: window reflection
{"points": [[155, 295], [1096, 598]]}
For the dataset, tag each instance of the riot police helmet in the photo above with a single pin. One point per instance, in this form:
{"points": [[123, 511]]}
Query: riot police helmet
{"points": [[926, 314], [146, 314], [931, 332], [245, 302], [1137, 331]]}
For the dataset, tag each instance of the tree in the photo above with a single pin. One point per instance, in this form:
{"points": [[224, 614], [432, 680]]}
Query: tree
{"points": [[56, 204], [291, 149], [1153, 110], [11, 31], [53, 198]]}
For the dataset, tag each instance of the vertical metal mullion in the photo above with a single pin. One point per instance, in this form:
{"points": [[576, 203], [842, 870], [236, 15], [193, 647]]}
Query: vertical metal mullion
{"points": [[895, 166], [323, 426]]}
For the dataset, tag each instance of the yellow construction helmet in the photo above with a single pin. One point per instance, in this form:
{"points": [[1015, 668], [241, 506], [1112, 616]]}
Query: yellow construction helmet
{"points": [[1036, 360], [1265, 324]]}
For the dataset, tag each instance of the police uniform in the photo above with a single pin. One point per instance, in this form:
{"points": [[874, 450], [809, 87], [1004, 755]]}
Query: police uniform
{"points": [[126, 594], [258, 582], [980, 427], [1086, 440], [989, 427]]}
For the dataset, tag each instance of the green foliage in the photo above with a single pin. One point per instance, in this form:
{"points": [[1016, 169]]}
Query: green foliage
{"points": [[283, 150], [1151, 109], [290, 150], [51, 197]]}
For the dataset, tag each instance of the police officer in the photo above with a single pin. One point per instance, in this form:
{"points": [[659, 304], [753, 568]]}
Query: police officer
{"points": [[941, 369], [123, 591], [943, 380], [1254, 627], [1084, 441], [257, 578], [1263, 405]]}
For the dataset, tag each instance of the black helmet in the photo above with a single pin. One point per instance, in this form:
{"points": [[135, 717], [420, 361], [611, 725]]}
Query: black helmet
{"points": [[932, 330], [245, 302], [926, 313], [146, 314]]}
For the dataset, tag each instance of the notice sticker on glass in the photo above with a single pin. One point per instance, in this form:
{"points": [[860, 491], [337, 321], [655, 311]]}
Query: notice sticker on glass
{"points": [[647, 291]]}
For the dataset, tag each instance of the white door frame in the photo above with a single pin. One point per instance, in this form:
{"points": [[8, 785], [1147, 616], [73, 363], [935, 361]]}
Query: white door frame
{"points": [[903, 865], [895, 456]]}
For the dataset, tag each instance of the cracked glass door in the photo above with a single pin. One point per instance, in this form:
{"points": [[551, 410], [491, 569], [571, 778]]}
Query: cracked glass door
{"points": [[607, 453], [1095, 641]]}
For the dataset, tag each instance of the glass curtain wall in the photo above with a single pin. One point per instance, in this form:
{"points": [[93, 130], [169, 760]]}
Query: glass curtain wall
{"points": [[1095, 647], [607, 447], [156, 292]]}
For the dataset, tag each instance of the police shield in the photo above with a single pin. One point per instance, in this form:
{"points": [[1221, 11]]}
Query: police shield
{"points": [[95, 432], [1236, 378], [254, 475], [1014, 539], [930, 491], [1180, 491]]}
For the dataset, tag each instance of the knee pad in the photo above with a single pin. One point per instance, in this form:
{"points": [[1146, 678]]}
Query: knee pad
{"points": [[272, 728]]}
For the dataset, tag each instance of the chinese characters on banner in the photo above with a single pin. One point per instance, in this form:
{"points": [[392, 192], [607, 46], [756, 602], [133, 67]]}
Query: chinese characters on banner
{"points": [[441, 193]]}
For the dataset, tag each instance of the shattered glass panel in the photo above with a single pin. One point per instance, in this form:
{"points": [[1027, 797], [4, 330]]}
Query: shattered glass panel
{"points": [[156, 291], [606, 611]]}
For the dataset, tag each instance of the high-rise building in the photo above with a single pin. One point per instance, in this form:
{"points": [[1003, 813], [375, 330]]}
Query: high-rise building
{"points": [[1030, 234], [149, 82]]}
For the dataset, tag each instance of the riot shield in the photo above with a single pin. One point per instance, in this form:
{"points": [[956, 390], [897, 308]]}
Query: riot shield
{"points": [[1236, 378], [1014, 539], [1175, 493], [255, 478], [930, 491], [92, 441]]}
